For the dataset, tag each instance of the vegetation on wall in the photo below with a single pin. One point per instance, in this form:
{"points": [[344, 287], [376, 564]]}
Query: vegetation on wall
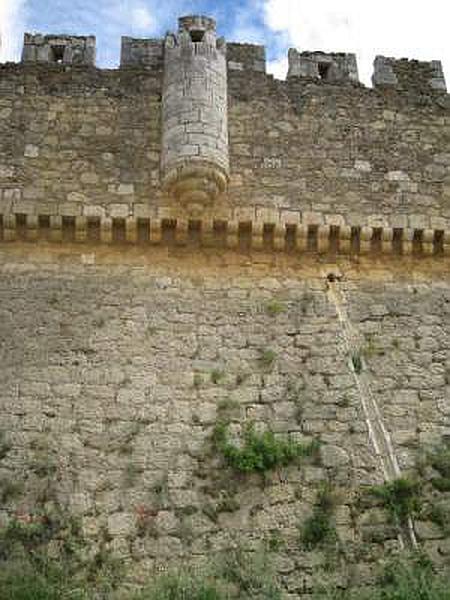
{"points": [[439, 458], [259, 452], [402, 578], [400, 497], [44, 557], [319, 529]]}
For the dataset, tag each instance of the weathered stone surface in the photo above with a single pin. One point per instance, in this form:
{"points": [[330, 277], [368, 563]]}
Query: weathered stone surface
{"points": [[125, 337]]}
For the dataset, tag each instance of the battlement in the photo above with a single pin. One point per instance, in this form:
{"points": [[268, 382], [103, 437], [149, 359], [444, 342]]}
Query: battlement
{"points": [[402, 75], [59, 49], [246, 57], [329, 67], [142, 53], [405, 74]]}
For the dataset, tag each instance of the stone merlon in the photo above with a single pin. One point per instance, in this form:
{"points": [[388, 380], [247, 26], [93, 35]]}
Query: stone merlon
{"points": [[59, 49]]}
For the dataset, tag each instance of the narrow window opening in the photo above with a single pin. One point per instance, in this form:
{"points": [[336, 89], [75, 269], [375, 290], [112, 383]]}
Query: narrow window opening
{"points": [[324, 69], [21, 225], [334, 239], [93, 229], [375, 242], [118, 230], [417, 241], [44, 226], [438, 242], [245, 235], [168, 231], [143, 230], [220, 232], [312, 239], [268, 235], [197, 35], [68, 229], [291, 237], [58, 54], [355, 240], [195, 232], [397, 241]]}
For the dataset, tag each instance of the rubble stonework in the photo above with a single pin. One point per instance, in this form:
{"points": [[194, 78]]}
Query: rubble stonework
{"points": [[168, 227]]}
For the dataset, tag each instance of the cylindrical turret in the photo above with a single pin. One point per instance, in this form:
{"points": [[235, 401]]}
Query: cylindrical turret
{"points": [[194, 159]]}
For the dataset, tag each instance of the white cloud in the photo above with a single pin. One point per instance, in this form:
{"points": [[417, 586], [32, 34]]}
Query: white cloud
{"points": [[12, 19], [399, 28], [278, 67], [245, 29], [141, 19]]}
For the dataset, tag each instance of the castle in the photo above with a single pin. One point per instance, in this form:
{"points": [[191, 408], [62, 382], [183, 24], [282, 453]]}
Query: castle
{"points": [[186, 235]]}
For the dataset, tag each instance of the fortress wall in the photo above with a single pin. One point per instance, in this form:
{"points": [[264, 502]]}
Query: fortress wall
{"points": [[131, 324], [86, 143], [116, 364]]}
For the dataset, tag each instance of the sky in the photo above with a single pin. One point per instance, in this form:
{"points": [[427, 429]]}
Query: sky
{"points": [[399, 28]]}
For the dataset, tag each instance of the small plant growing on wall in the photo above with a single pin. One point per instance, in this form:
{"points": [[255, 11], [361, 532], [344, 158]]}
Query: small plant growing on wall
{"points": [[217, 376], [319, 528], [267, 358], [5, 446], [400, 497], [439, 459], [274, 307], [259, 452], [357, 363], [9, 490]]}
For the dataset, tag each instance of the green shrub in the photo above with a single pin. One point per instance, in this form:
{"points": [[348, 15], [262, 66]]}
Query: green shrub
{"points": [[5, 446], [9, 490], [442, 484], [439, 513], [27, 572], [23, 535], [274, 308], [319, 529], [249, 573], [181, 586], [233, 575], [259, 452], [267, 358], [357, 363], [406, 578], [400, 497], [439, 459], [20, 580], [217, 376]]}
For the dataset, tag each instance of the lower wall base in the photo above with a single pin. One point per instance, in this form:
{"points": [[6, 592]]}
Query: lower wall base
{"points": [[116, 364]]}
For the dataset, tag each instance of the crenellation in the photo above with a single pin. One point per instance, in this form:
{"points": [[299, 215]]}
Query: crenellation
{"points": [[409, 75], [142, 53], [59, 49], [246, 57], [328, 67]]}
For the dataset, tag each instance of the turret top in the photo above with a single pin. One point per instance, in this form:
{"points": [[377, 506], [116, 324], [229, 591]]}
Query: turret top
{"points": [[196, 23]]}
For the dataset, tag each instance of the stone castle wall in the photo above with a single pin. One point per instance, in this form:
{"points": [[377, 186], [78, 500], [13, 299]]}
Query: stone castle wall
{"points": [[130, 323]]}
